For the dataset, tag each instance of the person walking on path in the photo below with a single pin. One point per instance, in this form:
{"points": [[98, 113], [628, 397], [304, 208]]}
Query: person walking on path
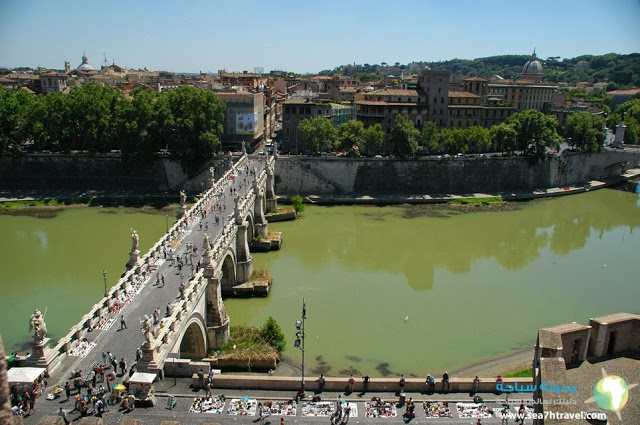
{"points": [[67, 389], [162, 278], [123, 324], [321, 382], [101, 370], [352, 382], [365, 384], [402, 381], [63, 414], [445, 383]]}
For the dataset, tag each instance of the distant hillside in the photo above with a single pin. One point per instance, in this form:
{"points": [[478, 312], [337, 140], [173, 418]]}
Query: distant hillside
{"points": [[623, 71]]}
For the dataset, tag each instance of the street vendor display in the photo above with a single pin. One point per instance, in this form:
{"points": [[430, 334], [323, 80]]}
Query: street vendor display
{"points": [[81, 348], [437, 409], [208, 405], [377, 408], [474, 410], [319, 408], [279, 408], [242, 406]]}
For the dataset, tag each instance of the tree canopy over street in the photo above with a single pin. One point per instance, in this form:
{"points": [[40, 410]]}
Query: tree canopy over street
{"points": [[97, 119]]}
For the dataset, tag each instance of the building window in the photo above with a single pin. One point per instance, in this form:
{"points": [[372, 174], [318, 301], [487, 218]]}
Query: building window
{"points": [[439, 90]]}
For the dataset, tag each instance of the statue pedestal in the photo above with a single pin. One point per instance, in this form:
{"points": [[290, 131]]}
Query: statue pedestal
{"points": [[182, 211], [134, 259], [43, 356]]}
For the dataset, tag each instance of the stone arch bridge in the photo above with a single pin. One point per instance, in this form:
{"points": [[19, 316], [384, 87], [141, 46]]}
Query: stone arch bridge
{"points": [[196, 321]]}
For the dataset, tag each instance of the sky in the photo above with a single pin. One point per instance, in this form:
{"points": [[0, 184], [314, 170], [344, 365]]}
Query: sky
{"points": [[306, 36]]}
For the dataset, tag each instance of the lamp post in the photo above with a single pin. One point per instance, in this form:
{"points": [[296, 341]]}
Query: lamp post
{"points": [[104, 277], [166, 217], [299, 342]]}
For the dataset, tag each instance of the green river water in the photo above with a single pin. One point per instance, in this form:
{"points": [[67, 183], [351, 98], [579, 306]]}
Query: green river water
{"points": [[384, 293]]}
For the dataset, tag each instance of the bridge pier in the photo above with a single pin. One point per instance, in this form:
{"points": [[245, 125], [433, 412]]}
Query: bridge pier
{"points": [[244, 261], [272, 202], [259, 222], [216, 315]]}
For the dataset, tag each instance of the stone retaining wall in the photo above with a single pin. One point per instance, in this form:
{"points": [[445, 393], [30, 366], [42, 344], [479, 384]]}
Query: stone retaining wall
{"points": [[378, 177], [458, 385]]}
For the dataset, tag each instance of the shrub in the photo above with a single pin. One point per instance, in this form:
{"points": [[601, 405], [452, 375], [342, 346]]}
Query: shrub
{"points": [[272, 333], [298, 204]]}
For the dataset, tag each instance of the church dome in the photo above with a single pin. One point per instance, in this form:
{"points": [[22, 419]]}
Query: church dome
{"points": [[84, 66], [533, 66]]}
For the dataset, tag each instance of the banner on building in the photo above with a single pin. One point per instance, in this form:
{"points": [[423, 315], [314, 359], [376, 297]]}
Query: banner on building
{"points": [[246, 123]]}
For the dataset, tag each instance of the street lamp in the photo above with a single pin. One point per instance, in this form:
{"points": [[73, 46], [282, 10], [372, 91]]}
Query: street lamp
{"points": [[104, 276], [299, 342]]}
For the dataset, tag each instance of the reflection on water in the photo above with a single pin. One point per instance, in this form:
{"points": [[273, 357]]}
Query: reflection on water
{"points": [[385, 294], [471, 285], [57, 264]]}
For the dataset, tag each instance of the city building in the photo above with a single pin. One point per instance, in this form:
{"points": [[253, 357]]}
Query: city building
{"points": [[298, 109], [53, 82], [382, 106], [243, 120]]}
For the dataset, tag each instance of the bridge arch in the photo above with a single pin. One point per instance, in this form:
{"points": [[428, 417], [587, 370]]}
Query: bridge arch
{"points": [[251, 232], [194, 340], [228, 269]]}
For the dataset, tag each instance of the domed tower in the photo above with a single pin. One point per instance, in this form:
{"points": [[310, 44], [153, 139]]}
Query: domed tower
{"points": [[532, 70], [84, 66]]}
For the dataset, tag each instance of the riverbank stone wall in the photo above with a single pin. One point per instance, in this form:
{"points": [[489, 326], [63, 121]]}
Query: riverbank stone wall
{"points": [[302, 175], [308, 176]]}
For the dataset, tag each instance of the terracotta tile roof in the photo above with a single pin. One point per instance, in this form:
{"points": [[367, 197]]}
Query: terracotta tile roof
{"points": [[371, 102], [396, 92], [462, 94]]}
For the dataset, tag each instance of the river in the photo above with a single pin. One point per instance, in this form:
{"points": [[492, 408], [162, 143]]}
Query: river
{"points": [[384, 293]]}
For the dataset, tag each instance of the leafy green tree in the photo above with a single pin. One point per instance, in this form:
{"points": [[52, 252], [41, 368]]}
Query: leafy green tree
{"points": [[504, 137], [373, 138], [351, 136], [430, 136], [192, 128], [455, 140], [632, 133], [15, 106], [317, 134], [536, 132], [586, 131], [272, 333], [49, 118], [404, 138], [631, 111], [298, 204], [479, 137]]}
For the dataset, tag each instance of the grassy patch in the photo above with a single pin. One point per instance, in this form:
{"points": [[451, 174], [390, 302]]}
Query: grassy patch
{"points": [[477, 201], [284, 209], [260, 277], [248, 343], [524, 373]]}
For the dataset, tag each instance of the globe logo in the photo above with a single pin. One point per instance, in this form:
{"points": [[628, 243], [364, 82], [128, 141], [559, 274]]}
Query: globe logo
{"points": [[611, 393]]}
